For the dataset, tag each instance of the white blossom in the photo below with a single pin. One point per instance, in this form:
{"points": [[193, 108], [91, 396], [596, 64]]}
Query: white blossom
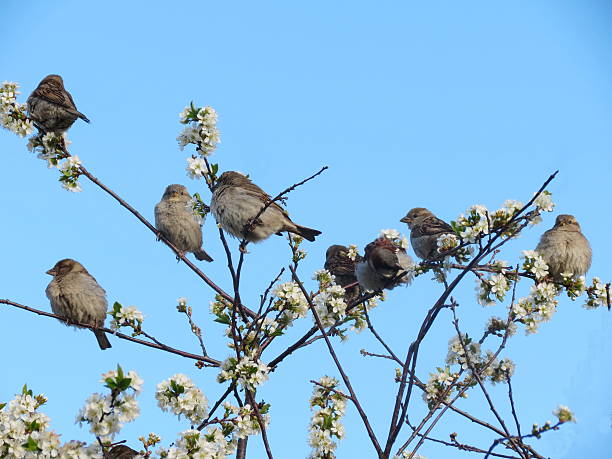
{"points": [[353, 252], [330, 304], [544, 202], [106, 414], [179, 395], [535, 264], [201, 129], [290, 301], [210, 444], [329, 407], [196, 168], [564, 414], [124, 316], [447, 242], [250, 372]]}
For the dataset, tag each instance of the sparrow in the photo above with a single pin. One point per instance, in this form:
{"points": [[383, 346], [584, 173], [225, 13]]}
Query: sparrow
{"points": [[338, 263], [236, 201], [122, 452], [565, 249], [51, 107], [75, 295], [425, 229], [381, 265], [175, 220]]}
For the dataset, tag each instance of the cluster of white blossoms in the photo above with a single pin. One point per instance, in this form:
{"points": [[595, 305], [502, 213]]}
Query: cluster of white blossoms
{"points": [[198, 208], [181, 396], [436, 389], [564, 414], [211, 444], [126, 316], [245, 422], [478, 221], [291, 302], [535, 264], [538, 307], [447, 242], [329, 301], [487, 366], [473, 224], [498, 326], [492, 288], [196, 168], [406, 455], [598, 294], [249, 371], [353, 252], [53, 148], [330, 305], [201, 129], [400, 241], [106, 414], [498, 370], [13, 114], [457, 354], [544, 202], [23, 430], [326, 423]]}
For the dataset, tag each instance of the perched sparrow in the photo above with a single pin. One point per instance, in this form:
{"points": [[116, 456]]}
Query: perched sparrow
{"points": [[565, 249], [175, 220], [75, 295], [51, 107], [425, 229], [236, 201], [338, 263], [122, 452], [382, 262]]}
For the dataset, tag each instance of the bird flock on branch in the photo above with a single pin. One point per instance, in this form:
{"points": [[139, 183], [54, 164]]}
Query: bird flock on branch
{"points": [[248, 213]]}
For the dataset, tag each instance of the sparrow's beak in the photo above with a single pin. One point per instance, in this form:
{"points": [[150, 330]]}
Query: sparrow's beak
{"points": [[405, 220], [51, 272]]}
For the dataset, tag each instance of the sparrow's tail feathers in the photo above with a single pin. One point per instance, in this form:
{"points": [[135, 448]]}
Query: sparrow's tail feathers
{"points": [[202, 255], [103, 341], [83, 117], [306, 233]]}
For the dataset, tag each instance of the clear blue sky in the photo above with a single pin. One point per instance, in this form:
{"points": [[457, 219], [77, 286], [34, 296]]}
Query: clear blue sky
{"points": [[436, 104]]}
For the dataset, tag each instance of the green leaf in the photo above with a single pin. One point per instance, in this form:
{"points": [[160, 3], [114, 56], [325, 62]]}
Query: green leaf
{"points": [[31, 445], [25, 390]]}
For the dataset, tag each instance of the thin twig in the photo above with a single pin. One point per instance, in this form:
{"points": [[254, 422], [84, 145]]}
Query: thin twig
{"points": [[157, 345], [178, 253], [345, 378]]}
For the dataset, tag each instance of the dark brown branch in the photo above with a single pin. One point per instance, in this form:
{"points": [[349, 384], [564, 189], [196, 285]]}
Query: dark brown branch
{"points": [[157, 345], [410, 362], [345, 378], [251, 399], [178, 253]]}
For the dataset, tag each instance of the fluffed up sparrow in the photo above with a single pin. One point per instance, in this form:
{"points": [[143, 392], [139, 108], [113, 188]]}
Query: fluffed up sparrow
{"points": [[338, 263], [382, 263], [236, 202], [75, 295], [51, 107], [565, 249], [425, 229], [175, 220]]}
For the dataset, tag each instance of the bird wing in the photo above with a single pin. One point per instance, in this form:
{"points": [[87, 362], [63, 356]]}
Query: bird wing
{"points": [[340, 266], [253, 190], [431, 226], [384, 258], [56, 95]]}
